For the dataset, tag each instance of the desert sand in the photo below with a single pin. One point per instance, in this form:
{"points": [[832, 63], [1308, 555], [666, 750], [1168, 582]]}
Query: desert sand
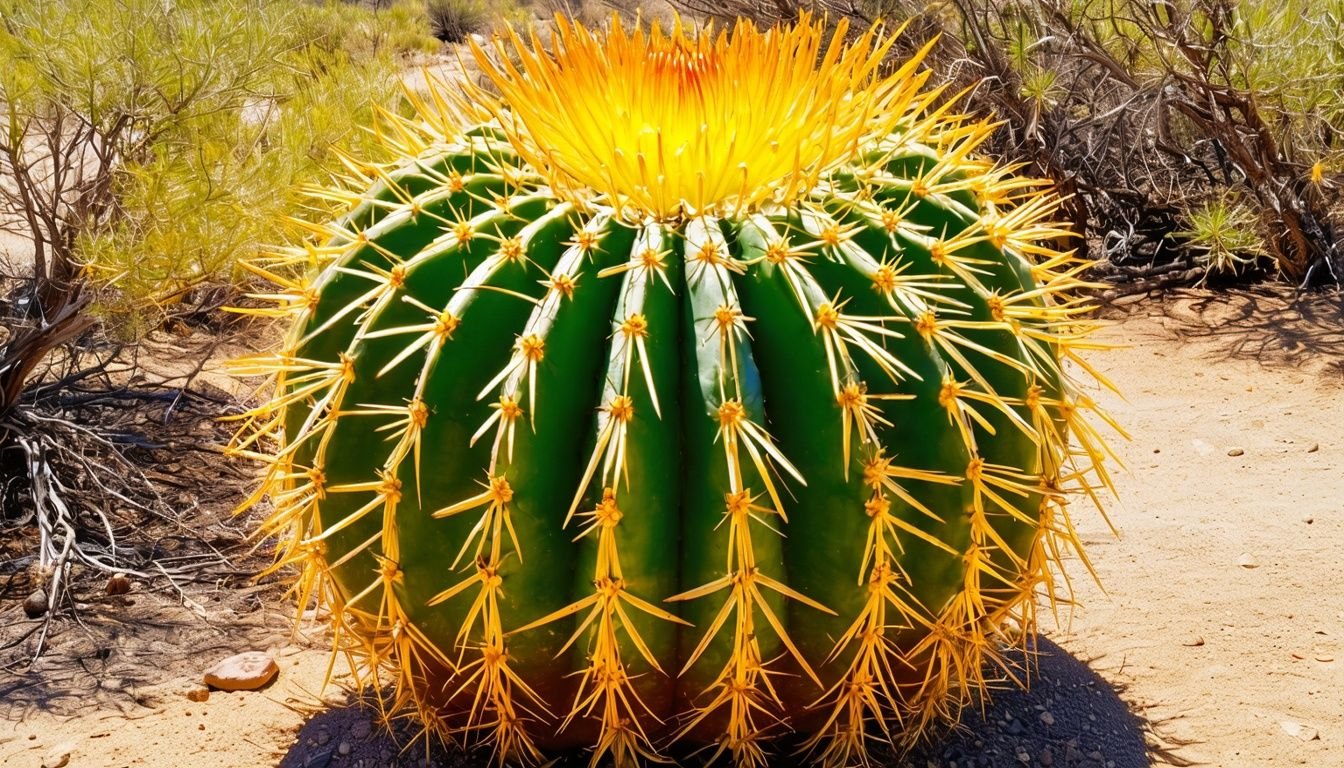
{"points": [[1217, 626]]}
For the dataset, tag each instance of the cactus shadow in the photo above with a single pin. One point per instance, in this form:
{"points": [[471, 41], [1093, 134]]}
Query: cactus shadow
{"points": [[1069, 717]]}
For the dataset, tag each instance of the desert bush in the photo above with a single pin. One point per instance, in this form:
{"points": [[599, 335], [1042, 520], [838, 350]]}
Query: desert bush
{"points": [[145, 149], [453, 21], [217, 189], [176, 133], [1143, 111], [364, 31], [227, 191]]}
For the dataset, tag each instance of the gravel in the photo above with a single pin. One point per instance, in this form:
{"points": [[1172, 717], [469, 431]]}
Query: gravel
{"points": [[1070, 718]]}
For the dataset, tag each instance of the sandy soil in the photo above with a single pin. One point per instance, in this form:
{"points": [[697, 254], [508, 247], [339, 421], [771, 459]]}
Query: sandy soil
{"points": [[1222, 612], [1221, 623]]}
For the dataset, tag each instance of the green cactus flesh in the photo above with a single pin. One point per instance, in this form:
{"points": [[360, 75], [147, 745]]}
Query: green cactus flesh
{"points": [[569, 478]]}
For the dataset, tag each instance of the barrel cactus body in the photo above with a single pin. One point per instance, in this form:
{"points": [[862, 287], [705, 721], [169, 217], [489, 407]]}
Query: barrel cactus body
{"points": [[708, 391]]}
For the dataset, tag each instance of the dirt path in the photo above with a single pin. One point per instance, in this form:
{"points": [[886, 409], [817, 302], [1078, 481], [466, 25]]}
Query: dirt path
{"points": [[1222, 620]]}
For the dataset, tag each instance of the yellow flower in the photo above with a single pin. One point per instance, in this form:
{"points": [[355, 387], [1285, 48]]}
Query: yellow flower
{"points": [[667, 124]]}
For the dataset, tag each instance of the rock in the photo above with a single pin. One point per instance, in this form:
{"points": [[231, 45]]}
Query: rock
{"points": [[1300, 731], [1314, 448], [199, 694], [118, 584], [59, 755], [1247, 561], [36, 604], [1047, 718], [343, 749], [1047, 757], [1193, 642], [1235, 452], [360, 730], [243, 672], [323, 737]]}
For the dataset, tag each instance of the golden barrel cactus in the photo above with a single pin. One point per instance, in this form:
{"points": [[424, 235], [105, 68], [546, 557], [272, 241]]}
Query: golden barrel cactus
{"points": [[699, 390]]}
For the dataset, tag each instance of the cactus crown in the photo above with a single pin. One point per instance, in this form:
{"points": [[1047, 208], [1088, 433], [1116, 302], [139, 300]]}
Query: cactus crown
{"points": [[683, 123], [708, 387]]}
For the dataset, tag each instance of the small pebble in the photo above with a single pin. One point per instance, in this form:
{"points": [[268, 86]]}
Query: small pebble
{"points": [[323, 737], [1299, 730], [59, 755], [1235, 452], [36, 604], [242, 672], [118, 584], [1314, 448], [361, 729], [199, 694], [1047, 718], [343, 748], [1047, 757]]}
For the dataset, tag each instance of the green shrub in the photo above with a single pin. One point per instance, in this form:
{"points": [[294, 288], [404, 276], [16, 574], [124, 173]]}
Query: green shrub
{"points": [[1224, 233], [193, 123]]}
